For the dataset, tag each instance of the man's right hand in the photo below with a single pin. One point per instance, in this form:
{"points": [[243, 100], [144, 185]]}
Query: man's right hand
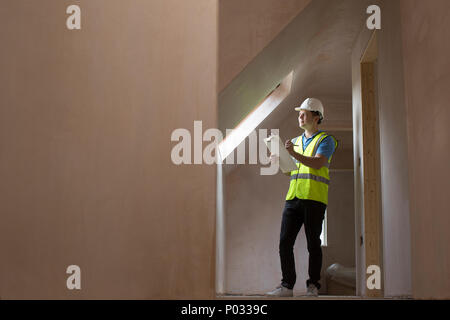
{"points": [[289, 146]]}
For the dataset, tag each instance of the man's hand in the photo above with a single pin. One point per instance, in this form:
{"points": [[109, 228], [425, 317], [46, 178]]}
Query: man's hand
{"points": [[316, 162], [289, 147]]}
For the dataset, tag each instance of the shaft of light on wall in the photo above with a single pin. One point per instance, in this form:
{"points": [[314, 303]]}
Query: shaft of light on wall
{"points": [[254, 118]]}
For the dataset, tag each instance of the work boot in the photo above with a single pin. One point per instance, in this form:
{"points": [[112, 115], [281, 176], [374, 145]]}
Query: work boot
{"points": [[281, 291], [312, 291]]}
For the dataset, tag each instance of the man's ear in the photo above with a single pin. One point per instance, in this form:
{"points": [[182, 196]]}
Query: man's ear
{"points": [[318, 119]]}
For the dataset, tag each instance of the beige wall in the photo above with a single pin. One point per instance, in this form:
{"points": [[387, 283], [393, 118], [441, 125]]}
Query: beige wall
{"points": [[393, 156], [415, 252], [246, 27], [254, 204], [426, 49], [395, 238], [86, 175], [341, 221], [357, 52], [396, 264]]}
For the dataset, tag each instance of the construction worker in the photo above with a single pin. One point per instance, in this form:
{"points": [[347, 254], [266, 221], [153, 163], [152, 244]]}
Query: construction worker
{"points": [[307, 198]]}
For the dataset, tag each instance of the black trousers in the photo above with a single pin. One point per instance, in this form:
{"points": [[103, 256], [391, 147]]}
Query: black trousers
{"points": [[295, 214]]}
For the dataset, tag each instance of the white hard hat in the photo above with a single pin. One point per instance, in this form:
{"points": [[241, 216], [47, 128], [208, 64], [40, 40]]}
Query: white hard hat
{"points": [[312, 104]]}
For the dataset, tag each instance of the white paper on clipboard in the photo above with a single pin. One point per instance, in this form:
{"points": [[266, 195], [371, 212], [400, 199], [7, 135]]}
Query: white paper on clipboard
{"points": [[276, 147]]}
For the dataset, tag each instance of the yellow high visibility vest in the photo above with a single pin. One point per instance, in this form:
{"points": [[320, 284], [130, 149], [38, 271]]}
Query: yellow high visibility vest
{"points": [[308, 183]]}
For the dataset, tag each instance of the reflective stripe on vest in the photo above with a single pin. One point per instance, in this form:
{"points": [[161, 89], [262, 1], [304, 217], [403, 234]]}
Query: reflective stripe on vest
{"points": [[310, 176], [308, 183]]}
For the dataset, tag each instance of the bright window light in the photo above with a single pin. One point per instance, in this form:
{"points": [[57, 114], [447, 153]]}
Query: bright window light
{"points": [[323, 235], [254, 118]]}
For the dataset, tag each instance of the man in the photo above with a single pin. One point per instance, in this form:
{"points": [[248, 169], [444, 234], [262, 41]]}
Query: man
{"points": [[307, 198]]}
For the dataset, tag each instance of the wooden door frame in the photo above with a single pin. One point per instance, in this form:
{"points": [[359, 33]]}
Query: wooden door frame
{"points": [[372, 226]]}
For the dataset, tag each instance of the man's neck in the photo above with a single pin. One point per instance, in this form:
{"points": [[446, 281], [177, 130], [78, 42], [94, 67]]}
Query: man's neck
{"points": [[310, 132]]}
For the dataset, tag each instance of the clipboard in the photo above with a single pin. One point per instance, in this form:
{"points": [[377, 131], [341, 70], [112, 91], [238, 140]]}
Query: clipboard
{"points": [[276, 147]]}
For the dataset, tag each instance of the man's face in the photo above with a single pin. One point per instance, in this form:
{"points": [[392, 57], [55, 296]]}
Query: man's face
{"points": [[306, 119]]}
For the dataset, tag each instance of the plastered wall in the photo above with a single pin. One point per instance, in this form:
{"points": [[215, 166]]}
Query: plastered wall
{"points": [[246, 27], [426, 49], [413, 80], [393, 155], [86, 118]]}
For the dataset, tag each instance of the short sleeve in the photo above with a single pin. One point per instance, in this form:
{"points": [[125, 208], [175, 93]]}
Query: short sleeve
{"points": [[293, 140], [326, 147]]}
